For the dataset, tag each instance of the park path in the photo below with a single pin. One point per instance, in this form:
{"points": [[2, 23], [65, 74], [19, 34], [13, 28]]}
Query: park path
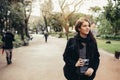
{"points": [[44, 61]]}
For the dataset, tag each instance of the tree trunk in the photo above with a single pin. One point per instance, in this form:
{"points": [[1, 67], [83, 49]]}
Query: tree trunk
{"points": [[22, 32], [67, 28], [26, 28], [67, 32], [45, 20]]}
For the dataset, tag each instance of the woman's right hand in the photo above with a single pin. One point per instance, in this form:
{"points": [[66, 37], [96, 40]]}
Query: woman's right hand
{"points": [[79, 63]]}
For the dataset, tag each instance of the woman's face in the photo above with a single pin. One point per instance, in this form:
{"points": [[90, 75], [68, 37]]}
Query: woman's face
{"points": [[85, 28]]}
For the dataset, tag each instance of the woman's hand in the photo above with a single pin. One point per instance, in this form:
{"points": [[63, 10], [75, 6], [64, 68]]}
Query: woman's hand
{"points": [[79, 63], [89, 72]]}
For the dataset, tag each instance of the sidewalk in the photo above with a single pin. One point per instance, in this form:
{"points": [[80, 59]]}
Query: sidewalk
{"points": [[38, 61], [109, 68], [44, 61]]}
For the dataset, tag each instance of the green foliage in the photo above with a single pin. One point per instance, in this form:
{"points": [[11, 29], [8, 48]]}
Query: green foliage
{"points": [[17, 13], [111, 37], [12, 11], [95, 9], [74, 17], [56, 22], [112, 14], [18, 42], [105, 26], [4, 7]]}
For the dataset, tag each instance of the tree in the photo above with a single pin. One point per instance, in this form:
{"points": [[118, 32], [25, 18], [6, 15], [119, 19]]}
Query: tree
{"points": [[56, 23], [20, 14], [28, 10], [4, 10], [112, 14], [104, 27], [74, 17], [18, 18], [95, 9], [46, 9], [95, 14], [66, 12]]}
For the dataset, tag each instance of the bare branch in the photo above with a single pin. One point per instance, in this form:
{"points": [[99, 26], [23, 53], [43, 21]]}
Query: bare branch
{"points": [[62, 4], [77, 4], [72, 2], [80, 3], [66, 12]]}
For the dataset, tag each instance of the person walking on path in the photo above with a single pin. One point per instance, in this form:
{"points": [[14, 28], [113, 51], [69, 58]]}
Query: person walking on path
{"points": [[46, 35], [81, 54], [8, 39]]}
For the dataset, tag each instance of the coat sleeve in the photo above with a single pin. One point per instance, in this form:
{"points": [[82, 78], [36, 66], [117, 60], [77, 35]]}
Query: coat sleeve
{"points": [[67, 56], [95, 59]]}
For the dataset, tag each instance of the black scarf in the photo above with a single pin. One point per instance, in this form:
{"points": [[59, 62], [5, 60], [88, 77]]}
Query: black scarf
{"points": [[81, 40]]}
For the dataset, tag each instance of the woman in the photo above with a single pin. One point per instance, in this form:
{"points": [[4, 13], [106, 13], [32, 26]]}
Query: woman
{"points": [[81, 48], [8, 39]]}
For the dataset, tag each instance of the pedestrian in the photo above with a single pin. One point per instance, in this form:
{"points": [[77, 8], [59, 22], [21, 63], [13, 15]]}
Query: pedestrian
{"points": [[81, 54], [46, 36], [8, 39]]}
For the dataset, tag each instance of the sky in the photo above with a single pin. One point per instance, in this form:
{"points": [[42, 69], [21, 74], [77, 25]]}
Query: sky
{"points": [[84, 8], [91, 3]]}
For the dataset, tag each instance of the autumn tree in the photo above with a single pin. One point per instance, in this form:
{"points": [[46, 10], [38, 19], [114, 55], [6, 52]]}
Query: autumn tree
{"points": [[46, 9], [66, 12]]}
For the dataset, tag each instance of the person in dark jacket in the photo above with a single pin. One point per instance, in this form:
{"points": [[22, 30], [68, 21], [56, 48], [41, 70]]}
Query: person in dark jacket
{"points": [[46, 35], [8, 39], [81, 54]]}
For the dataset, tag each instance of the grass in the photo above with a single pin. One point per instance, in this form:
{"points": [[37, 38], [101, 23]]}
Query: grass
{"points": [[114, 46]]}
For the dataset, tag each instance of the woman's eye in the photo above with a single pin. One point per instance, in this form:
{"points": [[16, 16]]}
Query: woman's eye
{"points": [[85, 25]]}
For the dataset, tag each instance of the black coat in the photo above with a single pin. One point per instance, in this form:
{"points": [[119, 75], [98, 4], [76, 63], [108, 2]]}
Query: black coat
{"points": [[8, 39], [71, 56]]}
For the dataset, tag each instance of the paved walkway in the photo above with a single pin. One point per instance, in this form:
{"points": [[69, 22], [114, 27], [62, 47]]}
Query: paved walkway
{"points": [[43, 61], [109, 68]]}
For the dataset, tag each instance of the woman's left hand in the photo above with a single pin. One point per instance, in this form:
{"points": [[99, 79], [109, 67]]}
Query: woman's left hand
{"points": [[89, 72]]}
